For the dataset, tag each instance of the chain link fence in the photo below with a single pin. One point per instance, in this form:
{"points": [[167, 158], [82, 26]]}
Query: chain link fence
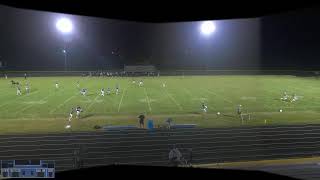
{"points": [[122, 73]]}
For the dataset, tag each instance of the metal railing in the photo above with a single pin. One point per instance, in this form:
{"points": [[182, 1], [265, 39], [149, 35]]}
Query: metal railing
{"points": [[86, 149]]}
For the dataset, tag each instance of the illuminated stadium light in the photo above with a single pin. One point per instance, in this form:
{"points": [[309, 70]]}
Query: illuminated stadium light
{"points": [[207, 28], [64, 25]]}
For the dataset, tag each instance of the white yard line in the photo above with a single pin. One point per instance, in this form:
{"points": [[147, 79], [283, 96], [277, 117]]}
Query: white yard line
{"points": [[187, 91], [198, 99], [64, 102], [107, 99], [6, 103], [145, 92], [94, 101], [124, 91], [27, 107], [172, 98], [34, 92], [211, 92], [7, 91], [17, 99]]}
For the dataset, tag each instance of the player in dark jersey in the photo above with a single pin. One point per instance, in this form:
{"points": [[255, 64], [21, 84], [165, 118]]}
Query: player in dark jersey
{"points": [[25, 75], [141, 120], [204, 107]]}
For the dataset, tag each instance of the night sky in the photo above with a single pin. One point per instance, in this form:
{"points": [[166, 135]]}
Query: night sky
{"points": [[30, 41], [291, 40]]}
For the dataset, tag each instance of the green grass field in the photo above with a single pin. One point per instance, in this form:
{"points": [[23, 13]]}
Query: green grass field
{"points": [[46, 109]]}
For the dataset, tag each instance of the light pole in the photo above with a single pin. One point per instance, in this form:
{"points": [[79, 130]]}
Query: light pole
{"points": [[65, 57], [207, 28], [65, 27]]}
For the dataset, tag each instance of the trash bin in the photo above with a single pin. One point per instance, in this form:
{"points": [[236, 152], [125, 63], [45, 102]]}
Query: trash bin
{"points": [[150, 124]]}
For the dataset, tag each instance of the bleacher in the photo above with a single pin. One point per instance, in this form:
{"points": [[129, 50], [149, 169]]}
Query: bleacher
{"points": [[139, 69]]}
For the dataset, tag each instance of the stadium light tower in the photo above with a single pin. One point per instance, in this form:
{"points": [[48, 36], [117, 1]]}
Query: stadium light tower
{"points": [[207, 28], [64, 26]]}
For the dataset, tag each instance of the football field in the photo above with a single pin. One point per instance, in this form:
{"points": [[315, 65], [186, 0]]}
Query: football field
{"points": [[46, 109]]}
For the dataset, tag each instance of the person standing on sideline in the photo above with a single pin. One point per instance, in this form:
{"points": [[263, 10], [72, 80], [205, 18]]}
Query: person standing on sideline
{"points": [[175, 156], [141, 120], [239, 112]]}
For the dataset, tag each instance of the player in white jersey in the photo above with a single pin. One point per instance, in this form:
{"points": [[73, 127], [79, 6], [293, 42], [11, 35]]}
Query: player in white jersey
{"points": [[164, 85], [108, 91], [18, 90], [27, 88], [294, 98], [102, 92], [117, 90], [57, 85], [239, 109], [285, 96], [140, 83], [83, 92], [71, 114], [78, 110]]}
